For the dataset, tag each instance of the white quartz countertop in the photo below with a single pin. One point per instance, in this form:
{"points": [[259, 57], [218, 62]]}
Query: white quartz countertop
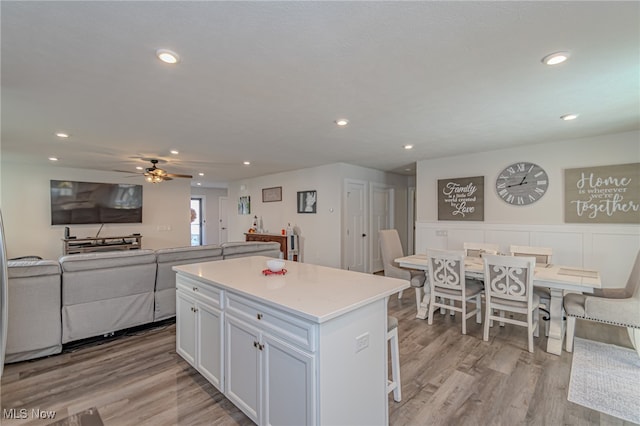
{"points": [[317, 293]]}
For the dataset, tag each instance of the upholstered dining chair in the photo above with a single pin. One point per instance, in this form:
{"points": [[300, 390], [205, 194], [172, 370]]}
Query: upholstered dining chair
{"points": [[508, 286], [617, 306], [391, 249], [543, 258], [393, 385], [448, 284], [478, 249]]}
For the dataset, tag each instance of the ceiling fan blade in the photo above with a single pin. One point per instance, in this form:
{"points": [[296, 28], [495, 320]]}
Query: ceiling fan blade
{"points": [[127, 171], [179, 175]]}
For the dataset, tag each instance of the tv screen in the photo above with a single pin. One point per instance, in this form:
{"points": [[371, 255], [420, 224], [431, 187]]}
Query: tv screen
{"points": [[92, 202]]}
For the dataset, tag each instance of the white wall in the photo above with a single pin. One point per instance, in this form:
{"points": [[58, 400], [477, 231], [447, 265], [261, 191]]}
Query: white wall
{"points": [[211, 211], [608, 248], [27, 214], [553, 157], [320, 233]]}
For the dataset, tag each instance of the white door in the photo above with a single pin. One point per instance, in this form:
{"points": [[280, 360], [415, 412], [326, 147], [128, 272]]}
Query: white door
{"points": [[290, 384], [222, 213], [185, 328], [355, 236], [381, 218], [411, 220], [243, 372], [210, 344]]}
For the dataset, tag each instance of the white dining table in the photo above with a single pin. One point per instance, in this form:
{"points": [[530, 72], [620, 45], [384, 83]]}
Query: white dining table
{"points": [[556, 278]]}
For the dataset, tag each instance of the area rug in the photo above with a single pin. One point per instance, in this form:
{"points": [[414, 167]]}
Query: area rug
{"points": [[606, 378]]}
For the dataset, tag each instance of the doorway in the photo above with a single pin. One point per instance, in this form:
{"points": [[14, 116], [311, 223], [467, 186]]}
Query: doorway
{"points": [[196, 222], [222, 212]]}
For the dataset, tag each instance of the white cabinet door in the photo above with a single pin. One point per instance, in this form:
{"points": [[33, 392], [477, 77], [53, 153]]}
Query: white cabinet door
{"points": [[185, 328], [243, 373], [289, 384], [209, 344]]}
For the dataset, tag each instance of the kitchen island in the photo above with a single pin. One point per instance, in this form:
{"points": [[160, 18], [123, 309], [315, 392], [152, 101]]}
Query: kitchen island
{"points": [[305, 348]]}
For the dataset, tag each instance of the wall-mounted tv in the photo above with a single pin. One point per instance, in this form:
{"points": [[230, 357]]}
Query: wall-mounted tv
{"points": [[91, 202]]}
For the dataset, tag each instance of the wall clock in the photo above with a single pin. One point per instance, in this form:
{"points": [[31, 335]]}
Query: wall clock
{"points": [[522, 183]]}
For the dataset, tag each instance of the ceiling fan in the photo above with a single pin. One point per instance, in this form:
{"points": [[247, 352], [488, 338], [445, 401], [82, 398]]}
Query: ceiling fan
{"points": [[154, 174]]}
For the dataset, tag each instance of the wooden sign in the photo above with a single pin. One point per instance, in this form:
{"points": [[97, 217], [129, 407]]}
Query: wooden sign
{"points": [[461, 198], [604, 194]]}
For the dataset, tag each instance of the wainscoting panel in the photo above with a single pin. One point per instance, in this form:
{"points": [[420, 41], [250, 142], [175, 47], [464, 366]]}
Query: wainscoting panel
{"points": [[611, 249]]}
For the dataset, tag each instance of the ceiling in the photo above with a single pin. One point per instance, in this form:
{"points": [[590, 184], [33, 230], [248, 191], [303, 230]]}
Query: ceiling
{"points": [[265, 81]]}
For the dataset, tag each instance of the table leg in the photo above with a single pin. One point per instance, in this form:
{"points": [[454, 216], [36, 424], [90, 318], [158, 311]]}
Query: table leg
{"points": [[423, 307], [556, 324]]}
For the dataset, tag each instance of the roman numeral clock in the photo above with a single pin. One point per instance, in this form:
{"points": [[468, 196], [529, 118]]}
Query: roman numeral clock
{"points": [[521, 184]]}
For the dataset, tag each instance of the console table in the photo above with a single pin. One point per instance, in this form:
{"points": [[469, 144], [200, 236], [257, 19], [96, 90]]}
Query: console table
{"points": [[278, 238], [92, 244]]}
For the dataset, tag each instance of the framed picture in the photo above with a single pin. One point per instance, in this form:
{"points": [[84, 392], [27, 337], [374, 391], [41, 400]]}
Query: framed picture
{"points": [[461, 198], [244, 205], [307, 201], [272, 194]]}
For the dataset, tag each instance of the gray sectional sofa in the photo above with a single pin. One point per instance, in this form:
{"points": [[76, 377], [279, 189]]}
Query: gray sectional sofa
{"points": [[93, 294]]}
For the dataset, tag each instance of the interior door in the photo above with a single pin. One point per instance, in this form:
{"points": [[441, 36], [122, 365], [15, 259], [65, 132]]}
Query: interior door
{"points": [[355, 241], [196, 222], [381, 218], [223, 226]]}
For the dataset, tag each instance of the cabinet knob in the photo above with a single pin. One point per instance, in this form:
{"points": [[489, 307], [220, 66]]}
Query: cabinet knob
{"points": [[259, 316], [255, 344], [195, 288]]}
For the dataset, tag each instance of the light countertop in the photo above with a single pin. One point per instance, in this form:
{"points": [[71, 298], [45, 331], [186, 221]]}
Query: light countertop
{"points": [[317, 293]]}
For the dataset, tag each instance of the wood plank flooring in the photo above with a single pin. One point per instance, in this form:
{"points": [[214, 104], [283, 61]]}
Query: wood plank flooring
{"points": [[447, 379]]}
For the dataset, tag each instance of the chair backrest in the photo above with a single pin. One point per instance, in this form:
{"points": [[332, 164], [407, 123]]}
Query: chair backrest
{"points": [[632, 288], [478, 249], [542, 254], [509, 278], [446, 269], [390, 246]]}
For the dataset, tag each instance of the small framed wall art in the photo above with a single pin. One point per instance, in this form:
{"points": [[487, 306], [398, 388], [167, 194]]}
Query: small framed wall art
{"points": [[307, 201], [244, 205], [461, 198], [272, 194]]}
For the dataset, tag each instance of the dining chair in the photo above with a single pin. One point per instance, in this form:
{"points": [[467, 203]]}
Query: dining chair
{"points": [[543, 258], [448, 284], [478, 249], [617, 306], [393, 385], [508, 286], [391, 249]]}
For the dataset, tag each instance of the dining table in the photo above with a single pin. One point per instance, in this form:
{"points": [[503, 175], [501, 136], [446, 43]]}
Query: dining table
{"points": [[557, 278]]}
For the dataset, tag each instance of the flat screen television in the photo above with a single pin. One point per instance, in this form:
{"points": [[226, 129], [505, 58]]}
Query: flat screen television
{"points": [[92, 203]]}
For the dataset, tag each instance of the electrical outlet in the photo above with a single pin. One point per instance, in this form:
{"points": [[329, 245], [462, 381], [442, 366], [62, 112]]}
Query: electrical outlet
{"points": [[362, 342], [441, 233]]}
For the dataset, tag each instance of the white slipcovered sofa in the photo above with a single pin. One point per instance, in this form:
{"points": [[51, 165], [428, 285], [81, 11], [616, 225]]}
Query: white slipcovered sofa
{"points": [[93, 294]]}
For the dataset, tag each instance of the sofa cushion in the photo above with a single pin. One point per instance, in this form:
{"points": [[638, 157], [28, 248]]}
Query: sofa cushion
{"points": [[212, 252], [248, 248], [104, 260], [32, 268]]}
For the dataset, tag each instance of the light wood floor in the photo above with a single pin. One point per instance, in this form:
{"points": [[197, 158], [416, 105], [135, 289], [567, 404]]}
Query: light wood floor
{"points": [[447, 379]]}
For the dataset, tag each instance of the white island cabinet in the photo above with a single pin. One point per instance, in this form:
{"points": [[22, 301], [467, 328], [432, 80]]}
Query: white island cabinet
{"points": [[305, 348]]}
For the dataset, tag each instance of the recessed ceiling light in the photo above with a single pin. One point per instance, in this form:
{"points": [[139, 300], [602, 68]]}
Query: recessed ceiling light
{"points": [[200, 174], [408, 146], [246, 163], [138, 167], [167, 56], [342, 122], [569, 117], [174, 152], [62, 135], [555, 58], [53, 159]]}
